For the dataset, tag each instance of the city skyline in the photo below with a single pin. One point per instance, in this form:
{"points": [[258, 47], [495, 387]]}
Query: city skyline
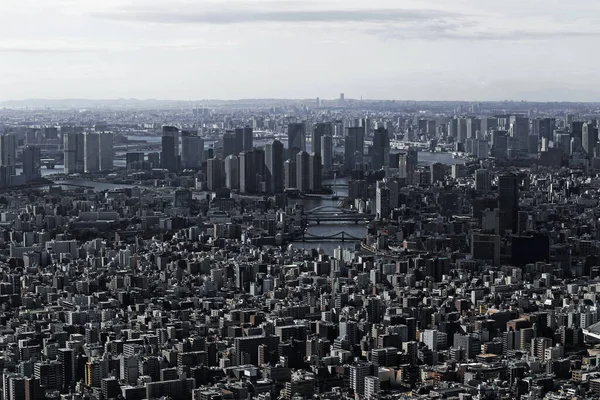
{"points": [[427, 50]]}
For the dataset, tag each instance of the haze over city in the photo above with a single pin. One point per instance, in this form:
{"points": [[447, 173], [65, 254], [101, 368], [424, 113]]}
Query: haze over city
{"points": [[383, 49]]}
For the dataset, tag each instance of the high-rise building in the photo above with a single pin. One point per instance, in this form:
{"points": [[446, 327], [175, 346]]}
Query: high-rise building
{"points": [[321, 130], [327, 153], [438, 172], [499, 144], [106, 151], [289, 173], [508, 202], [589, 138], [380, 156], [68, 359], [170, 148], [483, 180], [382, 201], [248, 138], [74, 155], [91, 144], [232, 172], [274, 159], [215, 178], [358, 373], [315, 172], [407, 165], [192, 150], [296, 138], [461, 130], [303, 172], [31, 163], [519, 129], [252, 171], [371, 388], [229, 144], [239, 141], [349, 153], [8, 156], [358, 133]]}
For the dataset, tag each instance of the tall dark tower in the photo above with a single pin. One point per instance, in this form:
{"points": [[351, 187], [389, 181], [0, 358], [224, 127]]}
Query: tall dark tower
{"points": [[508, 202], [380, 156], [323, 129], [274, 160], [303, 171], [296, 139], [229, 145], [170, 148]]}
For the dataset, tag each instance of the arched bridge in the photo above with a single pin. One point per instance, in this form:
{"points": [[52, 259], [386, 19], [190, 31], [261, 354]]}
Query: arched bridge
{"points": [[338, 237]]}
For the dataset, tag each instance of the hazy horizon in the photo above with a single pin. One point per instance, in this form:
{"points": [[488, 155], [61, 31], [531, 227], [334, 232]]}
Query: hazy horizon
{"points": [[426, 50]]}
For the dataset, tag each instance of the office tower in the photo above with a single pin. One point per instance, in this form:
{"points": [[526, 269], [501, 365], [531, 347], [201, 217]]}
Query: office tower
{"points": [[358, 373], [316, 171], [274, 159], [380, 156], [473, 125], [461, 130], [215, 178], [229, 145], [296, 139], [154, 159], [483, 180], [252, 170], [68, 360], [349, 153], [453, 128], [437, 172], [589, 138], [576, 129], [232, 172], [546, 128], [246, 348], [8, 155], [192, 150], [31, 163], [382, 201], [106, 151], [327, 153], [91, 144], [408, 164], [358, 133], [239, 141], [321, 130], [481, 148], [303, 171], [170, 148], [488, 125], [371, 388], [499, 144], [289, 172], [519, 129], [508, 202], [73, 153], [247, 135]]}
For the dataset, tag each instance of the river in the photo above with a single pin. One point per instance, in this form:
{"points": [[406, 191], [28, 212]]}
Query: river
{"points": [[324, 229]]}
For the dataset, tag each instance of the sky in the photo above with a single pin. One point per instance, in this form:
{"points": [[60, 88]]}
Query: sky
{"points": [[473, 50]]}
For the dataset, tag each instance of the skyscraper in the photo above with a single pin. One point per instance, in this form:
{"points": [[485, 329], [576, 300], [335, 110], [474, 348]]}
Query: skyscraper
{"points": [[252, 170], [483, 180], [508, 202], [31, 163], [214, 174], [91, 144], [170, 148], [274, 159], [349, 153], [229, 144], [289, 169], [303, 171], [232, 172], [461, 130], [192, 150], [73, 152], [382, 201], [321, 130], [315, 171], [358, 133], [106, 151], [589, 138], [380, 155], [8, 157], [296, 139], [327, 153], [519, 129], [244, 138], [407, 165]]}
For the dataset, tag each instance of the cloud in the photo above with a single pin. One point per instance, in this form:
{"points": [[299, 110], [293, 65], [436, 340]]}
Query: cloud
{"points": [[240, 15], [79, 46]]}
